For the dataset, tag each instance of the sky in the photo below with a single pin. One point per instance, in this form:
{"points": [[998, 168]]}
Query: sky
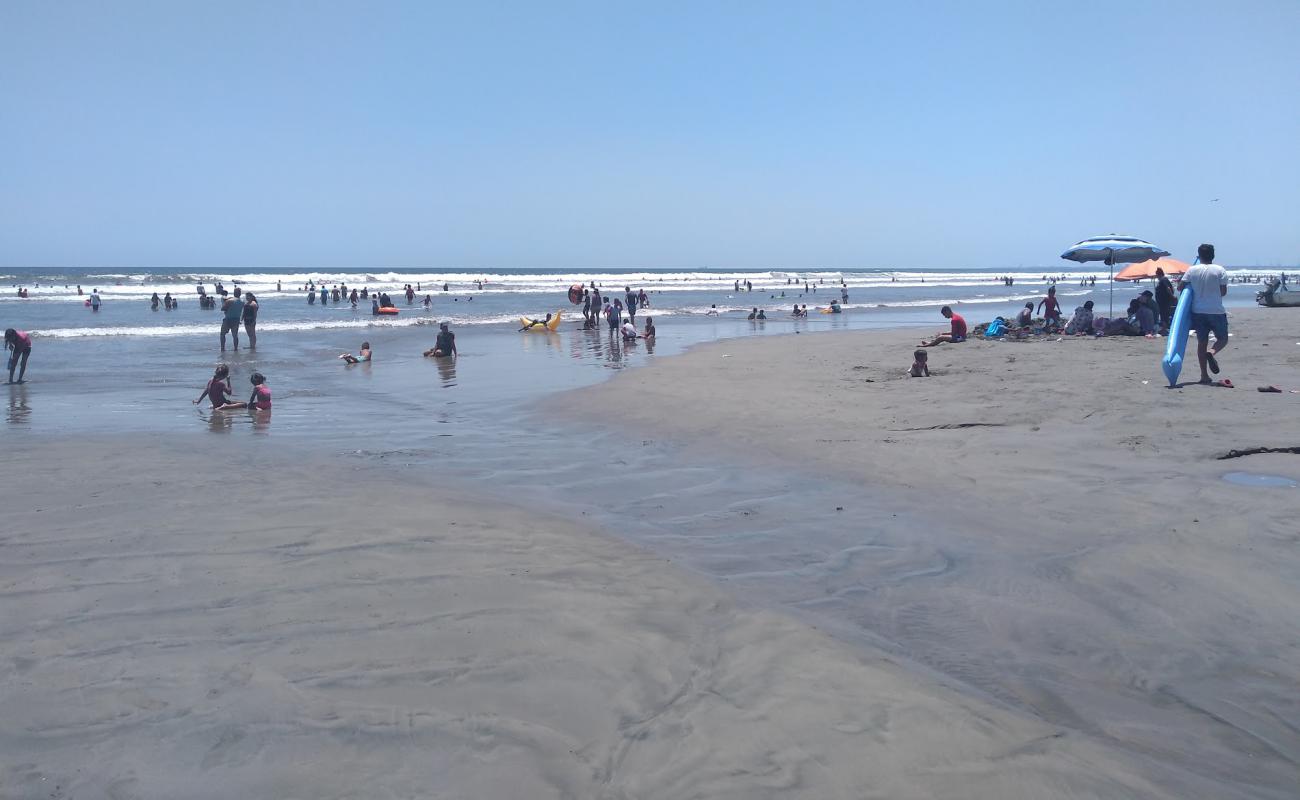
{"points": [[640, 135]]}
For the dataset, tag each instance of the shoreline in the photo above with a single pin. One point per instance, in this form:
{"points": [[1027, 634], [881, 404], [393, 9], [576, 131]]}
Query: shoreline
{"points": [[397, 639], [1044, 641], [1073, 550]]}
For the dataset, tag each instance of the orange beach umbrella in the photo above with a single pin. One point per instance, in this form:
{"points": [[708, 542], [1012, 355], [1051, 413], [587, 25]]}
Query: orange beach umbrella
{"points": [[1147, 269]]}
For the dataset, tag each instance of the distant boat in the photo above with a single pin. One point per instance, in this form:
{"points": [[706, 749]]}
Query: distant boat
{"points": [[1277, 294]]}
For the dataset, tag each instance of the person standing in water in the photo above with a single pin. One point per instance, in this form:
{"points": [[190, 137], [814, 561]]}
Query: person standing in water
{"points": [[629, 302], [250, 319], [20, 342], [232, 314]]}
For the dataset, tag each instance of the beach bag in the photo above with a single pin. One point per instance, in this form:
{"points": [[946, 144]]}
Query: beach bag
{"points": [[996, 328]]}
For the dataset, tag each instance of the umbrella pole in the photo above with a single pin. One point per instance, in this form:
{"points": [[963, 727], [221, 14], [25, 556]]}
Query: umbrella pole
{"points": [[1110, 262]]}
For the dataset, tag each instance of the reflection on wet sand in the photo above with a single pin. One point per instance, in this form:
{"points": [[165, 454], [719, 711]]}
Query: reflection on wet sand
{"points": [[225, 421], [218, 421], [19, 411]]}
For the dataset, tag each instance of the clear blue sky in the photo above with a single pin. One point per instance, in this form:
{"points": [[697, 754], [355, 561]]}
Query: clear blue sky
{"points": [[610, 134]]}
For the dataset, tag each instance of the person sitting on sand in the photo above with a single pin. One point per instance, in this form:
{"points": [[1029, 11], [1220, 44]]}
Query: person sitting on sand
{"points": [[1127, 325], [260, 399], [920, 364], [362, 355], [629, 331], [957, 332], [762, 314], [1081, 322], [1147, 311], [649, 328], [753, 315], [1145, 314], [536, 323], [445, 345], [1026, 316], [795, 311], [218, 391], [835, 307], [1052, 317]]}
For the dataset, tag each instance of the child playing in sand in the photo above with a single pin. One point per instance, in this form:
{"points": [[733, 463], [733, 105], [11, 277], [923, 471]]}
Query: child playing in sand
{"points": [[1052, 315], [362, 355], [920, 364], [218, 391], [1026, 316], [260, 399]]}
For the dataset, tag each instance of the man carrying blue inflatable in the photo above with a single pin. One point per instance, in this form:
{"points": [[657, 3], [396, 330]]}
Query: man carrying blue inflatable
{"points": [[1209, 283]]}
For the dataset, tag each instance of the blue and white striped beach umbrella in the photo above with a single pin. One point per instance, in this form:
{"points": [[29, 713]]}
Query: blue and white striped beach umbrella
{"points": [[1114, 250]]}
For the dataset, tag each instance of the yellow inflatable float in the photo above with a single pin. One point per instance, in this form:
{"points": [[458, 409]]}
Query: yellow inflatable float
{"points": [[544, 325]]}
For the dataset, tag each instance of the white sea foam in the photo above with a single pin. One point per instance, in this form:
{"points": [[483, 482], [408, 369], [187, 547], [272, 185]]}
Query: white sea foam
{"points": [[138, 285]]}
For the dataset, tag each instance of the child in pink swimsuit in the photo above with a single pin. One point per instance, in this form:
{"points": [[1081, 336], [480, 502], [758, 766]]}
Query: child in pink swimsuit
{"points": [[260, 399]]}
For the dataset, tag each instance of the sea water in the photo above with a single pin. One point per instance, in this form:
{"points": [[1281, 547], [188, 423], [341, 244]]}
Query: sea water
{"points": [[54, 309], [128, 367]]}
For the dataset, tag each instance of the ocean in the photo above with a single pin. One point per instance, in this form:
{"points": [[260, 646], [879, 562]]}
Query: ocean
{"points": [[128, 367]]}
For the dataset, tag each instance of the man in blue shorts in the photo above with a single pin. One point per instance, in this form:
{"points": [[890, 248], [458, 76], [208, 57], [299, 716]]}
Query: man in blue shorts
{"points": [[1209, 283], [232, 313]]}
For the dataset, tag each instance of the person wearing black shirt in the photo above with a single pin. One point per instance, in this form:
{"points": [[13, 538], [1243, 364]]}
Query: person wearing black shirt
{"points": [[1166, 299], [445, 345]]}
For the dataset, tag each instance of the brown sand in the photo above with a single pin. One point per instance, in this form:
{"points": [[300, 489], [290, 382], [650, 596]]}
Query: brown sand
{"points": [[1096, 573], [230, 623]]}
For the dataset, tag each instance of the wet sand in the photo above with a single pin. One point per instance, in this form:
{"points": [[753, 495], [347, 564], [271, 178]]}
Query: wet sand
{"points": [[220, 621], [1083, 561]]}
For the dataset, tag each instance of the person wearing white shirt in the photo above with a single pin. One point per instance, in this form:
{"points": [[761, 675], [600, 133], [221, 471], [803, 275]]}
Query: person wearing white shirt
{"points": [[1209, 283]]}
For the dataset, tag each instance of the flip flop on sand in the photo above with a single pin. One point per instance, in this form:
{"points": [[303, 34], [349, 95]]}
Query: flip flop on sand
{"points": [[1272, 389], [1214, 365], [1225, 383]]}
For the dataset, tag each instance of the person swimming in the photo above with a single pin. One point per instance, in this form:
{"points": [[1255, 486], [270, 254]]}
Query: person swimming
{"points": [[362, 355]]}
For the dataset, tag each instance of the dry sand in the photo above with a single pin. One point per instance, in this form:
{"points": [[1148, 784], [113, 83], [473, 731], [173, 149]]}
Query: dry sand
{"points": [[1093, 570], [228, 622]]}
